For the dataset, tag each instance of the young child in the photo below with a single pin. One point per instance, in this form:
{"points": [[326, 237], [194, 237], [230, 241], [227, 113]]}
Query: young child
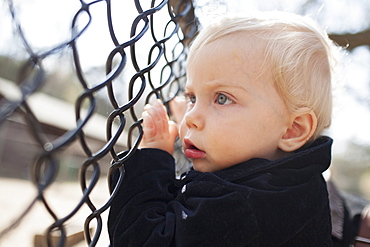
{"points": [[259, 97]]}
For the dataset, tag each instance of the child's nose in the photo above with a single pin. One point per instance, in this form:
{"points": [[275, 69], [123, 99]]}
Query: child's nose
{"points": [[194, 118]]}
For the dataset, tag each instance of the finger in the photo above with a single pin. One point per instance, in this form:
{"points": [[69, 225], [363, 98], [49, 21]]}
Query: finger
{"points": [[148, 125], [159, 125], [178, 108], [161, 109], [160, 116], [173, 130]]}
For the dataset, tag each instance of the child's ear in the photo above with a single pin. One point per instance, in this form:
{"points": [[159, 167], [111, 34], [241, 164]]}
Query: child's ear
{"points": [[301, 129]]}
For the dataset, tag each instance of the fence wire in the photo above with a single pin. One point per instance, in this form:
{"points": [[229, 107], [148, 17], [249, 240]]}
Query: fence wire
{"points": [[169, 49]]}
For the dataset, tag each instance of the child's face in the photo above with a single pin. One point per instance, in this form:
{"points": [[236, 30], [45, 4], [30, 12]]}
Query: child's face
{"points": [[234, 112]]}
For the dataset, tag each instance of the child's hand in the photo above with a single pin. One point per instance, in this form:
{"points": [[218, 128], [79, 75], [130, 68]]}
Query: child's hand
{"points": [[159, 132], [178, 108]]}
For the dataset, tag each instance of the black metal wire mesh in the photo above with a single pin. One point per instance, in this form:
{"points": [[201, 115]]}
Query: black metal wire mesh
{"points": [[167, 51]]}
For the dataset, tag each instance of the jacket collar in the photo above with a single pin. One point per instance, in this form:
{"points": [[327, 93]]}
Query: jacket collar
{"points": [[314, 159]]}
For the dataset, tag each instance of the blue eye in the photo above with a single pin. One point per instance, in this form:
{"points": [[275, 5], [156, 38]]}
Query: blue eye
{"points": [[191, 98], [222, 99]]}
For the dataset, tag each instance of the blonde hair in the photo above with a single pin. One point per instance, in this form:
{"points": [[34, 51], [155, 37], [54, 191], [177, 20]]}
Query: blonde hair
{"points": [[301, 56]]}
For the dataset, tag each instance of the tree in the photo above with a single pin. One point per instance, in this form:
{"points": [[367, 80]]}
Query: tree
{"points": [[352, 40]]}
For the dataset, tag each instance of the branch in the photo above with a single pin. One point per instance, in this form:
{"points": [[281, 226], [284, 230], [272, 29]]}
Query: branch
{"points": [[352, 40], [188, 23]]}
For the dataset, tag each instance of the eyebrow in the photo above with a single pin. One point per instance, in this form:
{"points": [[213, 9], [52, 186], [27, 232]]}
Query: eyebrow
{"points": [[220, 84]]}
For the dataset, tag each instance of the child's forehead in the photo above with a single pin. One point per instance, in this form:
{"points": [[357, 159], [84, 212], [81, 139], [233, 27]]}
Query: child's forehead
{"points": [[238, 46], [218, 66], [240, 54]]}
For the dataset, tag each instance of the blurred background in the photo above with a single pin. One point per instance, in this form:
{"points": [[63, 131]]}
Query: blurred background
{"points": [[47, 23]]}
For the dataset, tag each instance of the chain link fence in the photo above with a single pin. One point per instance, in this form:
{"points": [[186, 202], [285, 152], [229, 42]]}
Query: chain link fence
{"points": [[167, 27]]}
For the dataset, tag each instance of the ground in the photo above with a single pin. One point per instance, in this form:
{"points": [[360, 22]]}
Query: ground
{"points": [[16, 195]]}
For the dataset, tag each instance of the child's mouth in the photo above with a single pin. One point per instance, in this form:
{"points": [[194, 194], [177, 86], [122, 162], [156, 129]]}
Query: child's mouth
{"points": [[191, 151]]}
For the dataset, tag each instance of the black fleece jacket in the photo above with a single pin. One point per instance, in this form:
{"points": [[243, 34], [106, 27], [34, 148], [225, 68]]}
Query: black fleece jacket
{"points": [[255, 203]]}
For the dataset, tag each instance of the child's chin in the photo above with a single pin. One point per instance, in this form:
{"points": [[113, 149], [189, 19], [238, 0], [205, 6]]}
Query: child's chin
{"points": [[201, 167]]}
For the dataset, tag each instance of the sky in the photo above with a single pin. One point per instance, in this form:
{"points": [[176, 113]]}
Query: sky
{"points": [[47, 23]]}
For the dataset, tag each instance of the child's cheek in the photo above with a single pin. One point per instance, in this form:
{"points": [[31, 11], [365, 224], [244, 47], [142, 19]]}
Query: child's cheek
{"points": [[182, 129]]}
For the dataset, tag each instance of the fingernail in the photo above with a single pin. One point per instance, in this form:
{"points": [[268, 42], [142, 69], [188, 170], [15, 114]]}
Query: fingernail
{"points": [[145, 114]]}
